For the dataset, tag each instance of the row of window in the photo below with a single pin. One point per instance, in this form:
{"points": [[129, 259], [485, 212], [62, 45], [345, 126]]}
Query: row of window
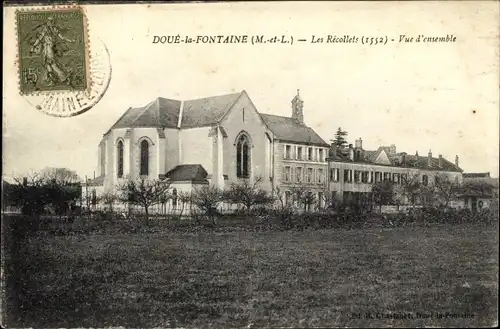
{"points": [[295, 152], [242, 158], [297, 174], [144, 158], [368, 177]]}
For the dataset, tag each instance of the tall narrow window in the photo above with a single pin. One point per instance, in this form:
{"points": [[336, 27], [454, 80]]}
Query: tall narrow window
{"points": [[298, 172], [287, 174], [346, 175], [320, 176], [357, 175], [288, 152], [242, 157], [245, 160], [144, 158], [119, 153]]}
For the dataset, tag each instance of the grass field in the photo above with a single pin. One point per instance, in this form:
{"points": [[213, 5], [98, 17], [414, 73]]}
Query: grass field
{"points": [[295, 279]]}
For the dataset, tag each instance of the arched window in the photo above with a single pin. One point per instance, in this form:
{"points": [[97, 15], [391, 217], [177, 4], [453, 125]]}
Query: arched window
{"points": [[119, 152], [144, 170], [242, 157]]}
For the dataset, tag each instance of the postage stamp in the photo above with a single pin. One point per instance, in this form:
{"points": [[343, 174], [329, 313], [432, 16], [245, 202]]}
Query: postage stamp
{"points": [[64, 68], [53, 50]]}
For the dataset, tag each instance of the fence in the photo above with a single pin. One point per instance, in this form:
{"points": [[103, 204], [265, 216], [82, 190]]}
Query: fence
{"points": [[168, 208]]}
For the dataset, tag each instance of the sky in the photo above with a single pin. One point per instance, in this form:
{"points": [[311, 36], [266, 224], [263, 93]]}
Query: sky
{"points": [[442, 97]]}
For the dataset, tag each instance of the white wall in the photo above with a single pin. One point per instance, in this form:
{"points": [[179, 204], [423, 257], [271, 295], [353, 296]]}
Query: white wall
{"points": [[234, 123], [196, 147]]}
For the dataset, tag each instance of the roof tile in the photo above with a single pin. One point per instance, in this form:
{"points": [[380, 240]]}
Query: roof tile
{"points": [[291, 130], [188, 173]]}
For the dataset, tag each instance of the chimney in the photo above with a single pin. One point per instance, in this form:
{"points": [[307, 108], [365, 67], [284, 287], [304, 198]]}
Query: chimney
{"points": [[392, 149], [416, 154], [456, 161], [429, 159], [297, 108], [359, 143], [440, 163]]}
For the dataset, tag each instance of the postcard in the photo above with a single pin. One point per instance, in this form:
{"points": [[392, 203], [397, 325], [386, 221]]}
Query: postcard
{"points": [[250, 164]]}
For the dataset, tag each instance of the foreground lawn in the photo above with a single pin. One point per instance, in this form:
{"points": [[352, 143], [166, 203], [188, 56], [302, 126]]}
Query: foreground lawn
{"points": [[293, 279]]}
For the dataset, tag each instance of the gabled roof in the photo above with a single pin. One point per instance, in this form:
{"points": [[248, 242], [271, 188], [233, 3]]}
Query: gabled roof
{"points": [[291, 130], [411, 161], [206, 111], [479, 188], [422, 162], [164, 112], [201, 112], [161, 112], [188, 173]]}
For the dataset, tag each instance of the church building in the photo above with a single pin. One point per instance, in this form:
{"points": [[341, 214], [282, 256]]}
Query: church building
{"points": [[215, 140]]}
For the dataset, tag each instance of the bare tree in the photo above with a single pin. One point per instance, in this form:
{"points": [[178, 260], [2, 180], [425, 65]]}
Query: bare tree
{"points": [[383, 193], [207, 199], [280, 197], [304, 196], [247, 194], [325, 200], [445, 189], [409, 189], [36, 192], [183, 198], [62, 176], [143, 192], [283, 210], [109, 199], [30, 179]]}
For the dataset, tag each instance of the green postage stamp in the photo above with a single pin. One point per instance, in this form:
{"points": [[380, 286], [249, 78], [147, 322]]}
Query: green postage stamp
{"points": [[53, 50]]}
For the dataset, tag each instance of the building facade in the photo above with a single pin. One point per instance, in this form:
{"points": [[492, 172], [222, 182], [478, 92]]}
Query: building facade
{"points": [[216, 140], [480, 191], [353, 171]]}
